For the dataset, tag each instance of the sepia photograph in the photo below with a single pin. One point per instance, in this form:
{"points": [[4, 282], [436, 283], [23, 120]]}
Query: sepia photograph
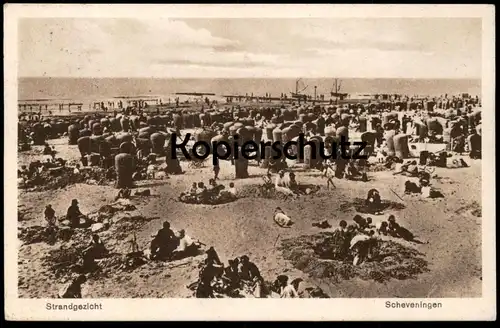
{"points": [[219, 157]]}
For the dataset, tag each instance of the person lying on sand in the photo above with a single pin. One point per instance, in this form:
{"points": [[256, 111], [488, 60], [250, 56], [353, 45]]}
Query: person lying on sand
{"points": [[397, 231], [281, 218]]}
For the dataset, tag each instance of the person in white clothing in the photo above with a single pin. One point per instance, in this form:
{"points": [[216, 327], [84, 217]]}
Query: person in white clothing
{"points": [[361, 245], [185, 242], [281, 218]]}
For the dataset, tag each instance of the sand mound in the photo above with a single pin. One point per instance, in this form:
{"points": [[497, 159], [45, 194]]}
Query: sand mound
{"points": [[312, 254], [39, 234], [63, 261], [259, 191], [359, 205], [63, 177], [376, 167], [125, 226], [109, 210], [474, 208], [222, 199]]}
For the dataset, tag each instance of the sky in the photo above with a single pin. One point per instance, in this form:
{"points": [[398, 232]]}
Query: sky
{"points": [[239, 47]]}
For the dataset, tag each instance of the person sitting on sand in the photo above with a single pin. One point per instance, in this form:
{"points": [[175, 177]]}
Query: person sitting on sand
{"points": [[412, 168], [392, 226], [281, 218], [232, 189], [74, 288], [97, 246], [23, 172], [190, 194], [192, 190], [163, 243], [123, 193], [50, 215], [411, 187], [292, 183], [268, 182], [281, 184], [74, 215], [373, 201], [201, 193], [76, 170], [369, 223], [213, 257], [342, 228], [230, 276], [214, 190], [381, 228], [47, 150], [361, 246], [351, 172], [206, 276], [94, 251], [290, 289], [360, 222], [186, 246], [249, 273]]}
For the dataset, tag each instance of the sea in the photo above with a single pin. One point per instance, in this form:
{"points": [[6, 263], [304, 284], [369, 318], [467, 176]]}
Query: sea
{"points": [[85, 89]]}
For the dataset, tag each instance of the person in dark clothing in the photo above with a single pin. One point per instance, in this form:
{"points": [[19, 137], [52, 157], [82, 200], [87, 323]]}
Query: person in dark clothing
{"points": [[207, 274], [213, 257], [248, 270], [163, 244], [250, 276], [231, 276], [74, 289], [123, 193], [50, 215], [74, 215]]}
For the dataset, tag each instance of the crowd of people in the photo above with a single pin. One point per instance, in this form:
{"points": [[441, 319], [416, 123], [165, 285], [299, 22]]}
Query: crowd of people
{"points": [[241, 274], [214, 193]]}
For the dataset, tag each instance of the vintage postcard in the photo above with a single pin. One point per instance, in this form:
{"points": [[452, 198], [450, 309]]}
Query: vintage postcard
{"points": [[206, 162]]}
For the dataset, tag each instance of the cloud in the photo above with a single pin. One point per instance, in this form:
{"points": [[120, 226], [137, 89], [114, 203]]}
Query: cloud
{"points": [[249, 48], [115, 47]]}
